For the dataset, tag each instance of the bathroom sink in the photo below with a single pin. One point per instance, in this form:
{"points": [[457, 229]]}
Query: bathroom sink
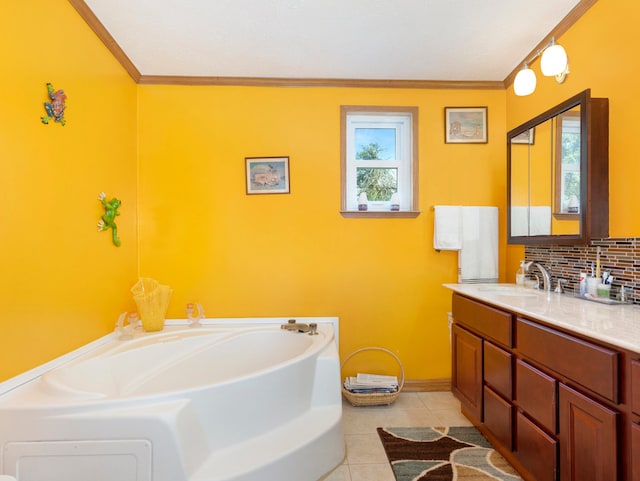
{"points": [[509, 290]]}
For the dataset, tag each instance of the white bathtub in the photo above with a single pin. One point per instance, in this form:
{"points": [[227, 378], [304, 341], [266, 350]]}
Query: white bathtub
{"points": [[221, 402]]}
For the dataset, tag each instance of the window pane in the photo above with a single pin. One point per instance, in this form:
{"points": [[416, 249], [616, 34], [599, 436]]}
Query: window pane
{"points": [[570, 195], [375, 143], [378, 183], [570, 189]]}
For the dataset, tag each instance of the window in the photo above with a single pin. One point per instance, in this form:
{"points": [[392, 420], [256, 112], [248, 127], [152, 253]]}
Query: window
{"points": [[568, 163], [379, 158]]}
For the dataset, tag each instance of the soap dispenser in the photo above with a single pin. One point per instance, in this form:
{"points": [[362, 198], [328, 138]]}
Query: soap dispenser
{"points": [[521, 274]]}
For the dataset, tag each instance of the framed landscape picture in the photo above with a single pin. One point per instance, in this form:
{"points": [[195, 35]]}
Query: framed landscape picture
{"points": [[465, 125], [267, 175]]}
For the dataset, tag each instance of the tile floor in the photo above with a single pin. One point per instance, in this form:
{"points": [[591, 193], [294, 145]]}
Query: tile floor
{"points": [[366, 460]]}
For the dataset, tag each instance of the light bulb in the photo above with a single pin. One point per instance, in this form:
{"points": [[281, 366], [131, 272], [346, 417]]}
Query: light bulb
{"points": [[553, 61], [525, 82]]}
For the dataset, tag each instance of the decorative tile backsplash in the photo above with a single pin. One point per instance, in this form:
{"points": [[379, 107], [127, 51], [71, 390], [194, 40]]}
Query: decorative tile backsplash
{"points": [[620, 256]]}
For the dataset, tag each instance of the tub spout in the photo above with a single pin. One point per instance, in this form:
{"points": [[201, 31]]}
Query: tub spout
{"points": [[292, 325]]}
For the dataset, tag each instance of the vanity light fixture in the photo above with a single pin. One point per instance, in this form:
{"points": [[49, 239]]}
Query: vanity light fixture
{"points": [[525, 81], [554, 63]]}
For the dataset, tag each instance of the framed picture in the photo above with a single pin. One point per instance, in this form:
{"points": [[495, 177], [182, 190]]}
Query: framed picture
{"points": [[525, 137], [267, 175], [465, 125]]}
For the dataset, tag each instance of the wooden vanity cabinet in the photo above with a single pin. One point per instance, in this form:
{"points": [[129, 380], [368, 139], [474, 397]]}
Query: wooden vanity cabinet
{"points": [[551, 402], [482, 343]]}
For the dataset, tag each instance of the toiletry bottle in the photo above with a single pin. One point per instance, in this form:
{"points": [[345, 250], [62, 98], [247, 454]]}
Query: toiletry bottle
{"points": [[520, 274], [583, 284]]}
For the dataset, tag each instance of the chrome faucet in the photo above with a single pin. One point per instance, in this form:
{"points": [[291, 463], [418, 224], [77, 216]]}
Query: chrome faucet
{"points": [[292, 325], [546, 276]]}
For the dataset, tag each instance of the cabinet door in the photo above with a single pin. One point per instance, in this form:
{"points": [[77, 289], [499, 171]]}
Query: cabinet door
{"points": [[635, 451], [467, 371], [588, 438], [635, 386], [536, 450]]}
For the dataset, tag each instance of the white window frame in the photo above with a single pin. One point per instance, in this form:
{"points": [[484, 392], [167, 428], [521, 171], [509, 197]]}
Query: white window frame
{"points": [[405, 121]]}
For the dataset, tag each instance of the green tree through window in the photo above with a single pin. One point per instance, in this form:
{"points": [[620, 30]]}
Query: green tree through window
{"points": [[379, 183]]}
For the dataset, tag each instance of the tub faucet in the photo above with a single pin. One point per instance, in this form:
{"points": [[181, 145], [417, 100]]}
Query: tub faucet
{"points": [[292, 325], [125, 332], [546, 276]]}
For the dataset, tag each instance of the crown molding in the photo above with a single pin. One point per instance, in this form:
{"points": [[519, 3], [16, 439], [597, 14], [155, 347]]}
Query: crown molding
{"points": [[103, 34], [318, 82]]}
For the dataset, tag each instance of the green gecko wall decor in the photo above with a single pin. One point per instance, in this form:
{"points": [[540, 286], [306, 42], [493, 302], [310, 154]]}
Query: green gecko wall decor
{"points": [[108, 219]]}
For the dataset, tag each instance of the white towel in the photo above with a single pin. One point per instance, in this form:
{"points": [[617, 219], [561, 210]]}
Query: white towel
{"points": [[478, 258], [534, 220], [519, 220], [540, 220], [447, 228]]}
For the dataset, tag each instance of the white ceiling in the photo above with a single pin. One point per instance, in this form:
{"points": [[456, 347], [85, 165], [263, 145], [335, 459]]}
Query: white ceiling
{"points": [[467, 40]]}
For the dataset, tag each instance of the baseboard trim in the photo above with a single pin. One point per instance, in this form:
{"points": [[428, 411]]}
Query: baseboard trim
{"points": [[426, 385]]}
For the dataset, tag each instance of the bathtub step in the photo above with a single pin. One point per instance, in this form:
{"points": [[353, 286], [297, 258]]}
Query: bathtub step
{"points": [[280, 454]]}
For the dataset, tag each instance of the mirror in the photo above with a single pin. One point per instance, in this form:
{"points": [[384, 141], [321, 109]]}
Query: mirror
{"points": [[557, 168]]}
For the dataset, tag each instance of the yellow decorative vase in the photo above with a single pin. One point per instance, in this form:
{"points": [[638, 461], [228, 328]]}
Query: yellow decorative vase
{"points": [[152, 300]]}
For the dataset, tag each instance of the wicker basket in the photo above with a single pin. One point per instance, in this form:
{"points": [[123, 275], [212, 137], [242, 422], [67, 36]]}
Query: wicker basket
{"points": [[374, 398]]}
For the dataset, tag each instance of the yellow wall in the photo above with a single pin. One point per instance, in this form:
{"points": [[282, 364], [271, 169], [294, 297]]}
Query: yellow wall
{"points": [[62, 283], [602, 49], [294, 255]]}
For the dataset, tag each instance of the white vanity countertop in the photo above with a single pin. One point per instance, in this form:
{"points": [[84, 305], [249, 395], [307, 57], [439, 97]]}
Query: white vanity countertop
{"points": [[618, 325]]}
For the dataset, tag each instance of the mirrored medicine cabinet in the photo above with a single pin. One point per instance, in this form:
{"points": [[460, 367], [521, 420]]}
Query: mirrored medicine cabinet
{"points": [[558, 174]]}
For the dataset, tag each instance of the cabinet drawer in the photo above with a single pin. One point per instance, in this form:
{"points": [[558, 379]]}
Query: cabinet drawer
{"points": [[536, 450], [498, 417], [536, 394], [497, 369], [487, 321], [588, 364], [635, 386]]}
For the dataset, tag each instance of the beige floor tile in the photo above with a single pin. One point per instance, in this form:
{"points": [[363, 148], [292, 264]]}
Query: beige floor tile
{"points": [[364, 449], [438, 400], [341, 473], [451, 417], [407, 400], [372, 472], [367, 423], [406, 411]]}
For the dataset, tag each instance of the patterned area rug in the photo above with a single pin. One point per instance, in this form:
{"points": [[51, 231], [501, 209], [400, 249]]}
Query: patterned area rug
{"points": [[444, 454]]}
